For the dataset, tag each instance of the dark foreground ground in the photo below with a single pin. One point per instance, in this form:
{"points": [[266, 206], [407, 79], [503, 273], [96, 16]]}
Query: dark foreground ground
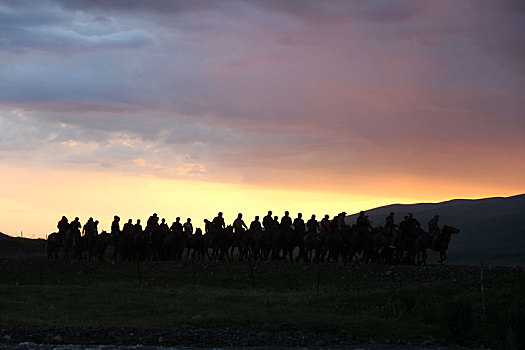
{"points": [[23, 337], [220, 304]]}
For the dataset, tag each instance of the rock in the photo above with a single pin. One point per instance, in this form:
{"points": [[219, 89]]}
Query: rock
{"points": [[58, 338], [429, 341], [48, 338], [7, 337], [161, 339], [196, 317], [320, 343], [266, 325]]}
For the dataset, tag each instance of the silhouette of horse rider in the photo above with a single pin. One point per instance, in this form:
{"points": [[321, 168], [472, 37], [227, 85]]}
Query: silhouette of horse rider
{"points": [[255, 225], [238, 225], [188, 227], [363, 222], [286, 220], [341, 223], [217, 224], [298, 224], [268, 222], [433, 229]]}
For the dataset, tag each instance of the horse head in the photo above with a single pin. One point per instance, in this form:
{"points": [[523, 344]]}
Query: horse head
{"points": [[450, 230]]}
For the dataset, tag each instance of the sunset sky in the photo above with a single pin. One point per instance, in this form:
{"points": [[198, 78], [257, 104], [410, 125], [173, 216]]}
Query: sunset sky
{"points": [[186, 108]]}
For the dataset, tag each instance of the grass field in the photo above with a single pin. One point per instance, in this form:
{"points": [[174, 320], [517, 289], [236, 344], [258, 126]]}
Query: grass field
{"points": [[398, 302]]}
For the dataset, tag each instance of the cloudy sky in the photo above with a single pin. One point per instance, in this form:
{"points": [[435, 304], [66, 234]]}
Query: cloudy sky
{"points": [[190, 107]]}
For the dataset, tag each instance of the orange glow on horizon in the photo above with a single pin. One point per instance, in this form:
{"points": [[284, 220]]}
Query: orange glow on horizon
{"points": [[33, 200]]}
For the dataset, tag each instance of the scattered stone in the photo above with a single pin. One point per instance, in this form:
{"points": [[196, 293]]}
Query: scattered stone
{"points": [[7, 337], [196, 317], [266, 325], [58, 338], [160, 340]]}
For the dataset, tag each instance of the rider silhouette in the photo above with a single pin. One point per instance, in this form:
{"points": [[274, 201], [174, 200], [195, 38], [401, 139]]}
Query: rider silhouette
{"points": [[188, 227], [218, 222], [115, 226], [63, 225], [341, 223], [255, 226], [312, 225], [268, 221], [286, 220], [298, 223], [176, 226], [239, 225]]}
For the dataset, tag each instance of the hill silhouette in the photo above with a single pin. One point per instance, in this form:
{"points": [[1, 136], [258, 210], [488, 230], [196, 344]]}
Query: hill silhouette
{"points": [[21, 247], [492, 229]]}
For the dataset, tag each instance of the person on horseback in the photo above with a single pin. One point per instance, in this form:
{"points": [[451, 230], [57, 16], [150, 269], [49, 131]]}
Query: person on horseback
{"points": [[164, 225], [137, 228], [312, 225], [207, 226], [87, 228], [255, 225], [152, 223], [389, 224], [362, 221], [128, 228], [275, 221], [433, 229], [218, 222], [268, 221], [389, 229], [238, 225], [341, 223], [286, 220], [63, 226], [412, 223], [188, 227], [176, 226], [115, 226], [298, 223], [325, 224], [95, 228], [75, 226], [334, 223]]}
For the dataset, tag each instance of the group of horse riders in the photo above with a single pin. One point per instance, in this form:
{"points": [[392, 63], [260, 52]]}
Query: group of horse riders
{"points": [[269, 223]]}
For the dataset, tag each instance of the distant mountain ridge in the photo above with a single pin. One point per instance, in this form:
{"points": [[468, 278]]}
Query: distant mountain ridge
{"points": [[492, 229]]}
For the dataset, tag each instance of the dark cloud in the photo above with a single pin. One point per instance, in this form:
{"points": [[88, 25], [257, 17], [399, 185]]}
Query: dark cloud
{"points": [[45, 27], [161, 7], [241, 84]]}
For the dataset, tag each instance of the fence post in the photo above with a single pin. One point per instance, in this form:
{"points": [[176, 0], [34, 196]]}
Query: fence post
{"points": [[482, 283], [252, 275]]}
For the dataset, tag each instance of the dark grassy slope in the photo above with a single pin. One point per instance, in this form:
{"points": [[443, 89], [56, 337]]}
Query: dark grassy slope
{"points": [[492, 229], [367, 300], [21, 247]]}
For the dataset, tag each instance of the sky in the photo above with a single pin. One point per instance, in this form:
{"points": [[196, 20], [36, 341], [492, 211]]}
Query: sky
{"points": [[187, 108]]}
